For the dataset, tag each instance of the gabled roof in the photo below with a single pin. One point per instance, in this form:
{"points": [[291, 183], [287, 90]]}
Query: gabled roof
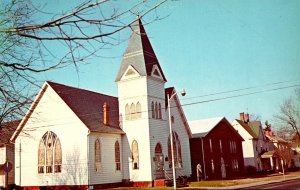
{"points": [[251, 127], [88, 106], [170, 91], [7, 129], [256, 127], [139, 53], [200, 128]]}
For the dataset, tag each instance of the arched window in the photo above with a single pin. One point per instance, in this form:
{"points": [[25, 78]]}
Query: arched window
{"points": [[135, 155], [97, 155], [132, 111], [127, 112], [158, 148], [41, 157], [58, 157], [153, 110], [138, 110], [117, 156], [176, 151], [49, 154], [156, 110], [159, 111]]}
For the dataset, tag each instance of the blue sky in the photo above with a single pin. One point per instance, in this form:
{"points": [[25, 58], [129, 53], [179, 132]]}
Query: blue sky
{"points": [[211, 46]]}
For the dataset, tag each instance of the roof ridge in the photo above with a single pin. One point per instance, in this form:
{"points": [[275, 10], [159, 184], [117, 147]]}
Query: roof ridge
{"points": [[76, 88]]}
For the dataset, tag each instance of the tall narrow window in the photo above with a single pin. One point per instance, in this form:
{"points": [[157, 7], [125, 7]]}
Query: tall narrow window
{"points": [[58, 157], [135, 155], [138, 110], [221, 148], [41, 156], [210, 145], [159, 111], [156, 110], [176, 151], [97, 155], [117, 156], [132, 111], [49, 154], [127, 112], [153, 110]]}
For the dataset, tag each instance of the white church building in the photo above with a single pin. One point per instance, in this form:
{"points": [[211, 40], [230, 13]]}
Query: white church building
{"points": [[73, 137]]}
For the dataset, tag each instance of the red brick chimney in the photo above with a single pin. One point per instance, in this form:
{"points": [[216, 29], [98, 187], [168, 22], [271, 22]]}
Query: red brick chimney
{"points": [[242, 116], [247, 119], [105, 114]]}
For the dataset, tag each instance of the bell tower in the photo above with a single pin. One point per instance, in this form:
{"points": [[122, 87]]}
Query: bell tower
{"points": [[141, 94]]}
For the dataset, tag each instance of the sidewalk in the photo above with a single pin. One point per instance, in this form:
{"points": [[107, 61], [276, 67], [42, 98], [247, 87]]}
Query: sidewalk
{"points": [[257, 181]]}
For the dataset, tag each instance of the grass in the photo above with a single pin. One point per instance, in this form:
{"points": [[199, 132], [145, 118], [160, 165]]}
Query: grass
{"points": [[224, 183]]}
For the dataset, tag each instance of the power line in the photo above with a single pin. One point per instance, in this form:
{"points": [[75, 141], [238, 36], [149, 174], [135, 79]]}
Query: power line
{"points": [[239, 89], [240, 95], [182, 105]]}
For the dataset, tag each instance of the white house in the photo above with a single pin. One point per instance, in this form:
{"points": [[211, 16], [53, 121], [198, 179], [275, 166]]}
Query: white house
{"points": [[75, 137], [255, 143]]}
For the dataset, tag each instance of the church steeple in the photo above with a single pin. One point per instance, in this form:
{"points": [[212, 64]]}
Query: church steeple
{"points": [[140, 55]]}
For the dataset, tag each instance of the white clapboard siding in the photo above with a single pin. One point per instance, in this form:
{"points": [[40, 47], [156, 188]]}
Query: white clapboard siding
{"points": [[108, 172], [133, 91], [160, 133], [52, 114]]}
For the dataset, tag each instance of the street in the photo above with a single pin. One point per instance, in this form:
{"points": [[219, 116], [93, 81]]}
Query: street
{"points": [[289, 184]]}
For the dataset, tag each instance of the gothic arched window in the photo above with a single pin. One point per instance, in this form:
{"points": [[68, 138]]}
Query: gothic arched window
{"points": [[132, 111], [135, 155], [97, 155], [158, 148], [117, 156], [176, 151], [127, 112], [156, 110], [159, 111], [49, 154], [138, 110]]}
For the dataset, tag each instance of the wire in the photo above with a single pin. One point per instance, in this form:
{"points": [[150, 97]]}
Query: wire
{"points": [[182, 105], [240, 95], [240, 89]]}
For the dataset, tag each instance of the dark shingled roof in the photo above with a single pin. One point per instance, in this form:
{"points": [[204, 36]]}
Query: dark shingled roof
{"points": [[139, 53], [7, 129], [88, 106], [251, 127]]}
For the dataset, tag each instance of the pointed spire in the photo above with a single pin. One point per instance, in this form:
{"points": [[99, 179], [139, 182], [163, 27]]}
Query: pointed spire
{"points": [[139, 53]]}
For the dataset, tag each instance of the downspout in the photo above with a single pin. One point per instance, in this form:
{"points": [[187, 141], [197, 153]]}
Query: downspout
{"points": [[203, 159], [88, 159]]}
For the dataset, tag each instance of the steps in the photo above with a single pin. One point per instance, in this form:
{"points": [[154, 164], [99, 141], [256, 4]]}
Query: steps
{"points": [[181, 181]]}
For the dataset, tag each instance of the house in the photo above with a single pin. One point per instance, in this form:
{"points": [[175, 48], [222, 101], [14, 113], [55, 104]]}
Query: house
{"points": [[255, 143], [7, 156], [281, 154], [217, 146], [80, 138]]}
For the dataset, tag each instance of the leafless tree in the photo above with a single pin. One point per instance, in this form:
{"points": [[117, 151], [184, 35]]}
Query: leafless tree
{"points": [[255, 117], [289, 114], [27, 41]]}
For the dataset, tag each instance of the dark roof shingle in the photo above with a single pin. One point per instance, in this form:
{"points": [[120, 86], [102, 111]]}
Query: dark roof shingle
{"points": [[88, 106], [139, 53]]}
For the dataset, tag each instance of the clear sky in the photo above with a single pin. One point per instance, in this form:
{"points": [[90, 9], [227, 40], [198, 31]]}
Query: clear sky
{"points": [[211, 46]]}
